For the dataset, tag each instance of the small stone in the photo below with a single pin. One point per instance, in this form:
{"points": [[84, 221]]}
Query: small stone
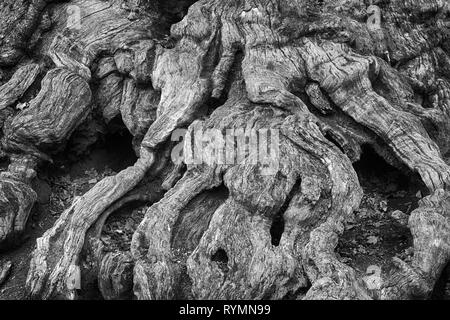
{"points": [[400, 217], [383, 206], [419, 194], [372, 240], [124, 61]]}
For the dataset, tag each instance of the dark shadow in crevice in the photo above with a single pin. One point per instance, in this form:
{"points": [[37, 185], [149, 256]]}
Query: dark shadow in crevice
{"points": [[277, 227], [377, 176], [371, 165], [119, 144], [212, 57], [329, 137], [4, 163], [174, 10], [235, 74], [90, 149], [299, 294], [442, 287]]}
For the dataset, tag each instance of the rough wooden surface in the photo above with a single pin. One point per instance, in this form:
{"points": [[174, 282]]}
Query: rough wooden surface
{"points": [[5, 269], [329, 76], [17, 200]]}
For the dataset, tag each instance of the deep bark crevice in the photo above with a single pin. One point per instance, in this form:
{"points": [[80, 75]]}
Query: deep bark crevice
{"points": [[277, 229]]}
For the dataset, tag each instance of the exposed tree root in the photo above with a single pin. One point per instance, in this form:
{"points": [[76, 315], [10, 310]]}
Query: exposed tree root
{"points": [[328, 77], [68, 234]]}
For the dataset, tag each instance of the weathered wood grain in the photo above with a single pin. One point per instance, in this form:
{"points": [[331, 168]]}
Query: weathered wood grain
{"points": [[14, 89], [330, 76]]}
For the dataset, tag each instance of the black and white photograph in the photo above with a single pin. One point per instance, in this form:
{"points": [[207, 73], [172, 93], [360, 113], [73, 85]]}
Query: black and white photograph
{"points": [[230, 156]]}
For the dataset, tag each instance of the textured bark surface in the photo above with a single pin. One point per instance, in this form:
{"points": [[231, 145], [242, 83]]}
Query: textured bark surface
{"points": [[331, 77]]}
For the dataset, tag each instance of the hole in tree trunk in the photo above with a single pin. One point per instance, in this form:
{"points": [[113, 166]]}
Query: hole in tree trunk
{"points": [[400, 190], [221, 258], [119, 143], [113, 150]]}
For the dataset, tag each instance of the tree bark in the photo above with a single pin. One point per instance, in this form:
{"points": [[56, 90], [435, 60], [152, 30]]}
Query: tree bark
{"points": [[330, 77]]}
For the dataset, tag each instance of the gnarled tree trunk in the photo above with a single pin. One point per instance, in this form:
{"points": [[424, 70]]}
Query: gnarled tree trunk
{"points": [[328, 77]]}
